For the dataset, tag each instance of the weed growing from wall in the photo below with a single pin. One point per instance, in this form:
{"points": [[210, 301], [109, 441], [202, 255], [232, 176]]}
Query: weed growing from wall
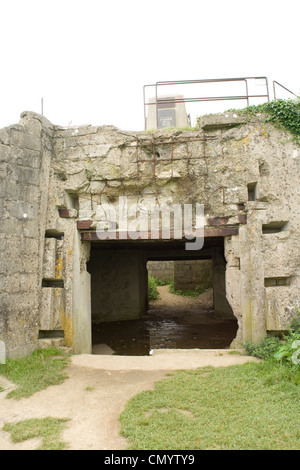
{"points": [[152, 289], [282, 113]]}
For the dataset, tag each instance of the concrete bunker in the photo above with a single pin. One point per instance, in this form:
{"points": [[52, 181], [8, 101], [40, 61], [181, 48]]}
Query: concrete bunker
{"points": [[123, 318], [244, 174]]}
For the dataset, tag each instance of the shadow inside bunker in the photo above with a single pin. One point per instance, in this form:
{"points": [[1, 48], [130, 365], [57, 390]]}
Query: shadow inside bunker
{"points": [[164, 327]]}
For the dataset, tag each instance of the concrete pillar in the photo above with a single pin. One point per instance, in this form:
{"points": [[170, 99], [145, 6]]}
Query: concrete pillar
{"points": [[252, 280], [234, 291], [221, 304], [79, 327]]}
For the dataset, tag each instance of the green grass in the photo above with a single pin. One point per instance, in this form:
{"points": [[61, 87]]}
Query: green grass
{"points": [[153, 293], [36, 372], [252, 406], [49, 429], [191, 293], [161, 282]]}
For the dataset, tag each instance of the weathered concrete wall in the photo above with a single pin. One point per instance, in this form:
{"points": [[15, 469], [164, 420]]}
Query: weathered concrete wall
{"points": [[25, 156], [245, 173], [163, 270], [186, 274], [117, 290], [189, 274]]}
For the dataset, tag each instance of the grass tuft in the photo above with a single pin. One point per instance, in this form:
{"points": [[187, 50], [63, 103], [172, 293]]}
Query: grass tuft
{"points": [[190, 293], [254, 406], [44, 367], [49, 429]]}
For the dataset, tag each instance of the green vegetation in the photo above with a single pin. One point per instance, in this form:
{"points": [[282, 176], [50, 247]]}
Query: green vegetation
{"points": [[153, 293], [249, 406], [152, 289], [283, 113], [264, 349], [191, 293], [253, 406], [49, 429], [36, 372], [160, 282], [286, 351]]}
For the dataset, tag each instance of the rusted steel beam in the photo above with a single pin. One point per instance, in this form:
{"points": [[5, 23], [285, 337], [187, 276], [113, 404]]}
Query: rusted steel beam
{"points": [[64, 213], [220, 231], [217, 221], [84, 224], [242, 218]]}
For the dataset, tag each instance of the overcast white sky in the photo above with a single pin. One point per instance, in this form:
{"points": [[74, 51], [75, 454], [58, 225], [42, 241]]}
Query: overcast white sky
{"points": [[90, 59]]}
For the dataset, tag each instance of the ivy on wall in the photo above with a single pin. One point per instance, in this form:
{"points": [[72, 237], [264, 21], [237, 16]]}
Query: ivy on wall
{"points": [[283, 113]]}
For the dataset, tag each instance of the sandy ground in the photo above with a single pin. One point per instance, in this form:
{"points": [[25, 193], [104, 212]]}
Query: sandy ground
{"points": [[180, 305], [96, 391], [100, 384]]}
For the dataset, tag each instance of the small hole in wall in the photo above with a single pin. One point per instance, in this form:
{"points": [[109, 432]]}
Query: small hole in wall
{"points": [[71, 200], [53, 283], [252, 191], [48, 334], [277, 333], [52, 233], [275, 227], [277, 281]]}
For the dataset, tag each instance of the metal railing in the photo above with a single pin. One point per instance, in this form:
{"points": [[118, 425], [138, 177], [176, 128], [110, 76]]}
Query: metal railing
{"points": [[279, 84], [164, 101]]}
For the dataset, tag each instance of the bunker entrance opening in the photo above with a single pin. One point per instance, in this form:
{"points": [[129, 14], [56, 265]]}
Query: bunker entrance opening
{"points": [[190, 312]]}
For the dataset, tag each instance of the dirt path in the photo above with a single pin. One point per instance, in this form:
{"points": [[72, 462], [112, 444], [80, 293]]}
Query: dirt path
{"points": [[95, 393], [100, 384], [168, 301]]}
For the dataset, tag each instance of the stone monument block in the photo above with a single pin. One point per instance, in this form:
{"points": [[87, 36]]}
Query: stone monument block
{"points": [[167, 112]]}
